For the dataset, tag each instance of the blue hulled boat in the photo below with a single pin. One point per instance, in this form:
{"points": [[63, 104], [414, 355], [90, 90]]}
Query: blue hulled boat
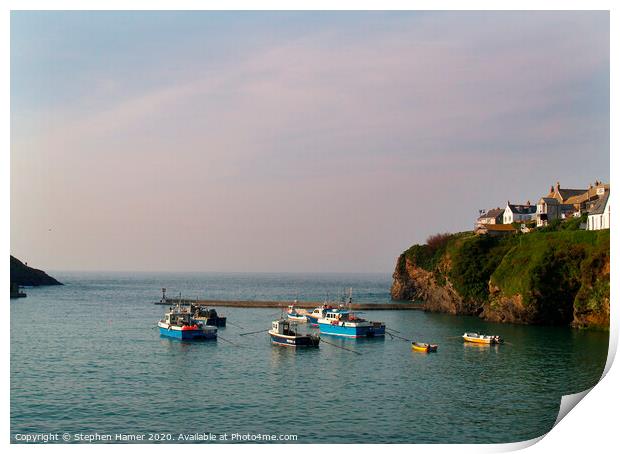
{"points": [[179, 324], [282, 332], [344, 323]]}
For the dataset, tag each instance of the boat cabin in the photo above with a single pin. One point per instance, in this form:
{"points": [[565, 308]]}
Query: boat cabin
{"points": [[334, 316], [282, 327], [342, 316], [318, 312], [177, 318]]}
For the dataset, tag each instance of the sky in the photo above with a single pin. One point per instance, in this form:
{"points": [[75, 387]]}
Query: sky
{"points": [[291, 141]]}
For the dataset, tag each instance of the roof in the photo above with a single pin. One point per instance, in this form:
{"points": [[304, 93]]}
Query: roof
{"points": [[499, 227], [578, 199], [568, 193], [601, 203], [549, 200], [577, 196], [492, 214], [523, 209]]}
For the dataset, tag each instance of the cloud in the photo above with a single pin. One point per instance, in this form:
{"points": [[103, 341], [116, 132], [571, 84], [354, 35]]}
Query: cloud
{"points": [[351, 118], [393, 83]]}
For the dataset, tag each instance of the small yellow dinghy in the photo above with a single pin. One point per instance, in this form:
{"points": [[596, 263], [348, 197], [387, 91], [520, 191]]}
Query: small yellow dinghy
{"points": [[423, 347], [482, 338]]}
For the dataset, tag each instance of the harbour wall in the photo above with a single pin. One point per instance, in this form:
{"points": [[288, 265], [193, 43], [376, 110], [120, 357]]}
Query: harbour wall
{"points": [[299, 304]]}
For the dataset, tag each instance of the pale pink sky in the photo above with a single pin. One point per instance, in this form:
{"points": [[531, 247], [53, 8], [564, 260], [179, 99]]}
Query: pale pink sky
{"points": [[292, 141]]}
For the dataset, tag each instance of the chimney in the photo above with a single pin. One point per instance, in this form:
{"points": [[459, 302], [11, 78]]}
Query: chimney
{"points": [[557, 186], [528, 203], [551, 190]]}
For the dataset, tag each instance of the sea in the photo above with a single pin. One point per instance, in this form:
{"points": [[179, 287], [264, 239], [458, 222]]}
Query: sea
{"points": [[88, 365]]}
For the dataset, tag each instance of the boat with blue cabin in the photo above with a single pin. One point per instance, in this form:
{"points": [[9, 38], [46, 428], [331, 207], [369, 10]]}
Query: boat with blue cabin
{"points": [[283, 333], [338, 322], [179, 324]]}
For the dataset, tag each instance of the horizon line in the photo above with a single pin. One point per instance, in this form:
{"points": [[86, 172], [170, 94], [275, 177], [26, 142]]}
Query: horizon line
{"points": [[214, 272]]}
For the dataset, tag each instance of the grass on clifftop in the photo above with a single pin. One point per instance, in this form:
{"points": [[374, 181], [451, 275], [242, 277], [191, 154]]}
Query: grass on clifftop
{"points": [[555, 270], [428, 256]]}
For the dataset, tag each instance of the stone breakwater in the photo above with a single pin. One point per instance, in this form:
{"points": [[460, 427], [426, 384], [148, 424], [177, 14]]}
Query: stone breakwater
{"points": [[299, 304]]}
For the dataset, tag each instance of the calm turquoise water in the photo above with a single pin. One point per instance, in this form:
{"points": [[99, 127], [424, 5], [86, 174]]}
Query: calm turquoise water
{"points": [[86, 358]]}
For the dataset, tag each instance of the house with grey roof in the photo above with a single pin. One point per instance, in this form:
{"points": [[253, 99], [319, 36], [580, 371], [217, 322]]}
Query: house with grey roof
{"points": [[599, 217], [519, 213]]}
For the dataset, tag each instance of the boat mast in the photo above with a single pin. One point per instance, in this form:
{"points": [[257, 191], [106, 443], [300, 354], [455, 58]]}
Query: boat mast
{"points": [[350, 302]]}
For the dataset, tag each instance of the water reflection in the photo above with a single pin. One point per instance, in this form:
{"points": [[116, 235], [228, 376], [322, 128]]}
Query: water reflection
{"points": [[387, 389], [485, 347]]}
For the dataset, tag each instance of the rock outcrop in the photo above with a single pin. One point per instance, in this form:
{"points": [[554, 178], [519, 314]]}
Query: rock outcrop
{"points": [[21, 274], [411, 282]]}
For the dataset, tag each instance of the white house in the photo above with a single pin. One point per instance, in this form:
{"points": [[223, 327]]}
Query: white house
{"points": [[519, 213], [598, 217]]}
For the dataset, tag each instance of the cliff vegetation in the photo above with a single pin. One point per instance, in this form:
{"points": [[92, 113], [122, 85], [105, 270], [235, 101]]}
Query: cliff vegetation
{"points": [[558, 276]]}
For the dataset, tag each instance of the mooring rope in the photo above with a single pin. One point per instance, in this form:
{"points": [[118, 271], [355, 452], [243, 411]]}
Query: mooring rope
{"points": [[226, 340], [339, 346], [231, 323], [255, 332], [399, 337]]}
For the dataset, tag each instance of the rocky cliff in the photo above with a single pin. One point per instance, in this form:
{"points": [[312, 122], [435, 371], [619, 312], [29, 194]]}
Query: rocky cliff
{"points": [[22, 274], [544, 277]]}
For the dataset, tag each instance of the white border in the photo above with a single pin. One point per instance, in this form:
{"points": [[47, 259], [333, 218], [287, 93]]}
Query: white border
{"points": [[591, 426]]}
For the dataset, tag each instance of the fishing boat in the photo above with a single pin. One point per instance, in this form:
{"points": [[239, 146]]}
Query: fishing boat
{"points": [[197, 311], [339, 322], [208, 316], [293, 314], [16, 291], [423, 347], [482, 338], [179, 324], [283, 332], [318, 313]]}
